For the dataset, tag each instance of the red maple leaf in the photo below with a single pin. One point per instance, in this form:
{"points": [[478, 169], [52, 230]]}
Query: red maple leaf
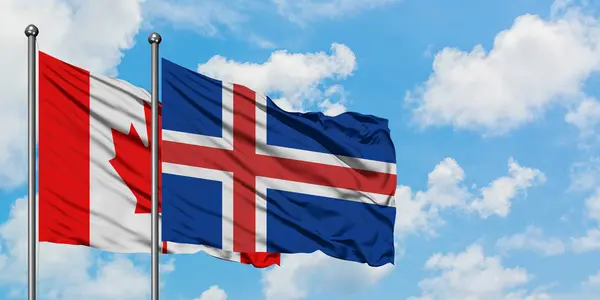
{"points": [[133, 162]]}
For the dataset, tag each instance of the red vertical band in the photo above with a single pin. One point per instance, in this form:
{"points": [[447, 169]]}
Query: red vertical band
{"points": [[244, 181], [64, 150]]}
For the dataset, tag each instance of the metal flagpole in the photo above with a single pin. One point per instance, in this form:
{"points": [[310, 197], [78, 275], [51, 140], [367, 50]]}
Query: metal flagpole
{"points": [[154, 41], [31, 32]]}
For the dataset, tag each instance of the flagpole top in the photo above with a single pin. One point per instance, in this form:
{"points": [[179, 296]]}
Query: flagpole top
{"points": [[154, 38], [31, 30]]}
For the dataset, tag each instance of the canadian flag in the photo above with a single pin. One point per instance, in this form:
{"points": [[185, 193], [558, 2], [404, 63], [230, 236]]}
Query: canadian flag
{"points": [[94, 165]]}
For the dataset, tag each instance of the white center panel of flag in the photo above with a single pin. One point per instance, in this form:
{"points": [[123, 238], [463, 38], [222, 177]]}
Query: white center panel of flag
{"points": [[111, 107]]}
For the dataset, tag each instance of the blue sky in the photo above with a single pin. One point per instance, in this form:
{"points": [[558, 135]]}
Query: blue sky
{"points": [[492, 108]]}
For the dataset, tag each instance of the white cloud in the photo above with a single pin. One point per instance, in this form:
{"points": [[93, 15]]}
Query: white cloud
{"points": [[331, 106], [260, 41], [497, 196], [212, 18], [532, 66], [217, 18], [592, 204], [532, 239], [298, 89], [302, 275], [473, 275], [593, 280], [168, 266], [204, 16], [589, 289], [589, 242], [585, 175], [585, 116], [443, 183], [446, 190], [66, 272], [108, 282], [523, 295], [332, 109], [213, 293], [559, 6], [301, 11], [414, 214], [68, 30]]}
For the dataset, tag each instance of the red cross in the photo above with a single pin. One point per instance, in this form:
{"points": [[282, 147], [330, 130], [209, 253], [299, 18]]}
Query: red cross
{"points": [[246, 165]]}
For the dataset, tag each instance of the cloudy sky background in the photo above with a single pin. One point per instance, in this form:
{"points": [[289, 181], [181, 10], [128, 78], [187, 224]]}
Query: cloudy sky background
{"points": [[493, 110]]}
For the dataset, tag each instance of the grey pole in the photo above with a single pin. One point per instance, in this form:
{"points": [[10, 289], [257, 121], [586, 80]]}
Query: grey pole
{"points": [[31, 32], [154, 41]]}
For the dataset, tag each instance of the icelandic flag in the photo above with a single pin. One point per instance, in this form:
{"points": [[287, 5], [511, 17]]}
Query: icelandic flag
{"points": [[243, 175]]}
